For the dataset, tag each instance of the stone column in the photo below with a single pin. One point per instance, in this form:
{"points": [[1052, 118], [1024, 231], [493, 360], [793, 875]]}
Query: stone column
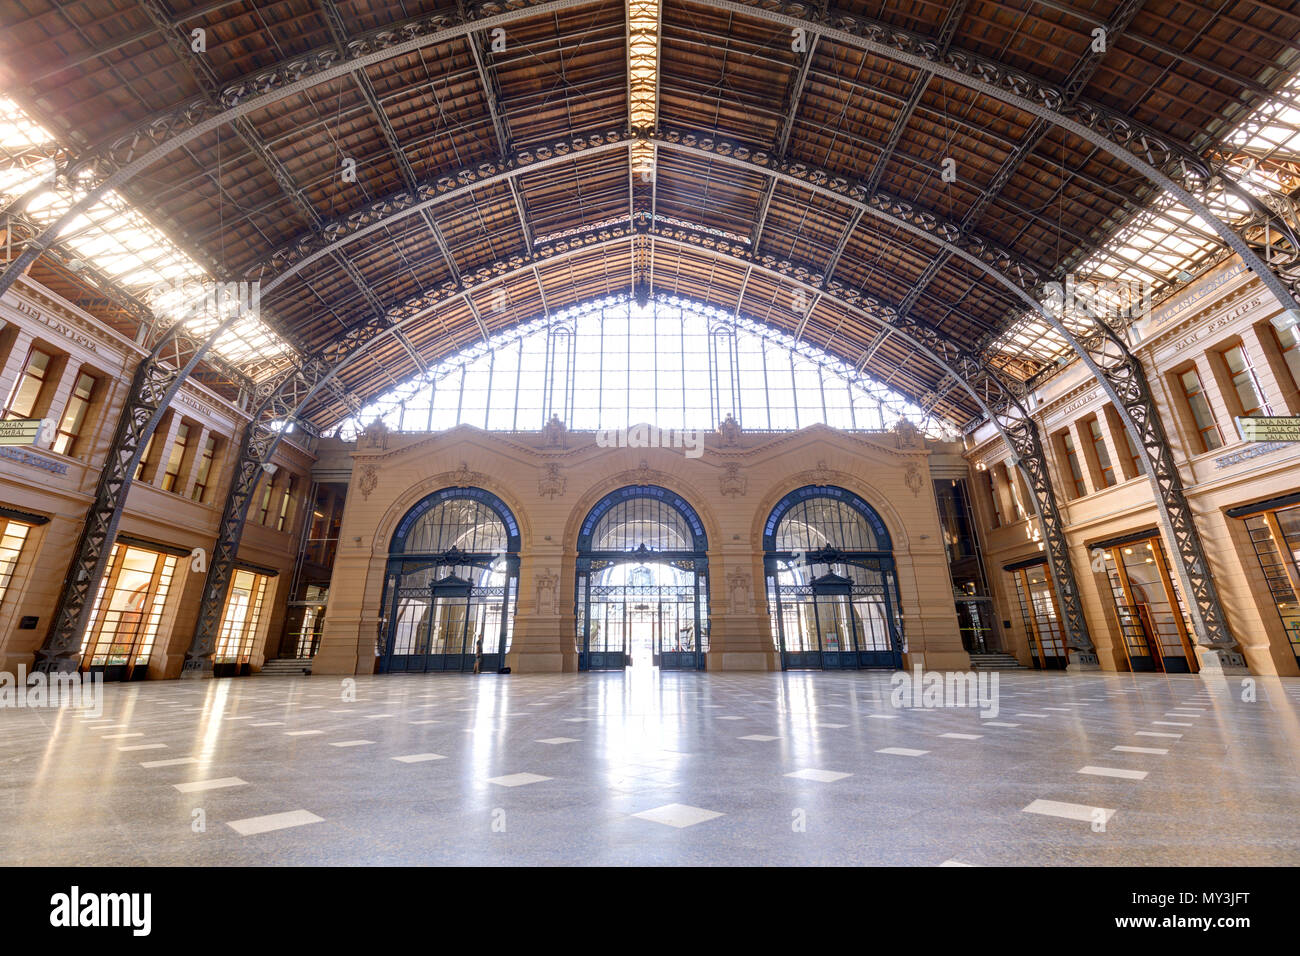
{"points": [[545, 623], [740, 628], [1082, 451], [190, 469]]}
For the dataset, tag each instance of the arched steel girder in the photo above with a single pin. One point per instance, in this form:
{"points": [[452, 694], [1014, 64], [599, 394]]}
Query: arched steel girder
{"points": [[1018, 279], [1123, 129], [1101, 348], [157, 379], [998, 399], [1269, 234]]}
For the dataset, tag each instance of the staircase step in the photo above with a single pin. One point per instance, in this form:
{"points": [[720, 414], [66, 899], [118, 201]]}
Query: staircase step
{"points": [[999, 661], [286, 666]]}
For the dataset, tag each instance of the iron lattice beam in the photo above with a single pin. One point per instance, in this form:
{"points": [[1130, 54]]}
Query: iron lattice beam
{"points": [[1000, 400], [157, 379], [793, 97], [1268, 233], [1073, 87], [1103, 350]]}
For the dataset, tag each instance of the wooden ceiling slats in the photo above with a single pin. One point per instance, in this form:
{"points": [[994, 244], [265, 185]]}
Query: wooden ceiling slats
{"points": [[96, 68]]}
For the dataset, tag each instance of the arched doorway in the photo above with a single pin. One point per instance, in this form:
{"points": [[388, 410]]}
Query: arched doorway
{"points": [[452, 580], [831, 585], [642, 582]]}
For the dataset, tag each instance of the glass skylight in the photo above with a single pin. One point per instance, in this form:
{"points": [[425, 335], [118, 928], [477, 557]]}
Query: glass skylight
{"points": [[121, 243], [672, 364], [642, 77], [1166, 245]]}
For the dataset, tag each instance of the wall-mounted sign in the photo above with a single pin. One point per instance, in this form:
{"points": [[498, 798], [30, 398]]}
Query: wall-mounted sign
{"points": [[1269, 427], [24, 431]]}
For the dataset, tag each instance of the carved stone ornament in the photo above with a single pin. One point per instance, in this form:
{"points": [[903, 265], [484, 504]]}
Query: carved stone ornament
{"points": [[729, 431], [547, 583], [821, 474], [555, 432], [374, 435], [908, 435], [463, 477], [551, 484], [912, 478], [738, 588], [369, 480], [732, 483]]}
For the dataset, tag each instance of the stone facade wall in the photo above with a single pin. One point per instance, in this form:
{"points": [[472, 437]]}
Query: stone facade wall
{"points": [[552, 480]]}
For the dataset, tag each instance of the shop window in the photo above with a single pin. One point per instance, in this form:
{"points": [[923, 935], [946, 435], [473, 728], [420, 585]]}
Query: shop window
{"points": [[127, 613], [1041, 617], [240, 619], [13, 535], [1150, 610], [1275, 536]]}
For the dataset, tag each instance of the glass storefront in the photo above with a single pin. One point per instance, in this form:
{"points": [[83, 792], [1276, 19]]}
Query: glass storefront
{"points": [[1040, 615], [1274, 529], [642, 583], [127, 613], [1152, 620], [240, 622]]}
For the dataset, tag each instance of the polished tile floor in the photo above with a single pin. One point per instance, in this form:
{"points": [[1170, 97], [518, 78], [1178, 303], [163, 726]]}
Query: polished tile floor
{"points": [[642, 767]]}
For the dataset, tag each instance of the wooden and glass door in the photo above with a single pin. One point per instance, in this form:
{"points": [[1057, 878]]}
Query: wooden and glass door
{"points": [[127, 613], [1041, 617], [1153, 625], [1275, 538]]}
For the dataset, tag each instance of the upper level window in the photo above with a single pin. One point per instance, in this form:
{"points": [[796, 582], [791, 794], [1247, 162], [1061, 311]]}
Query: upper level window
{"points": [[1135, 456], [1099, 449], [27, 390], [1249, 395], [144, 456], [74, 415], [992, 497], [264, 508], [1207, 429], [286, 499], [1287, 342], [673, 364], [1072, 462]]}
